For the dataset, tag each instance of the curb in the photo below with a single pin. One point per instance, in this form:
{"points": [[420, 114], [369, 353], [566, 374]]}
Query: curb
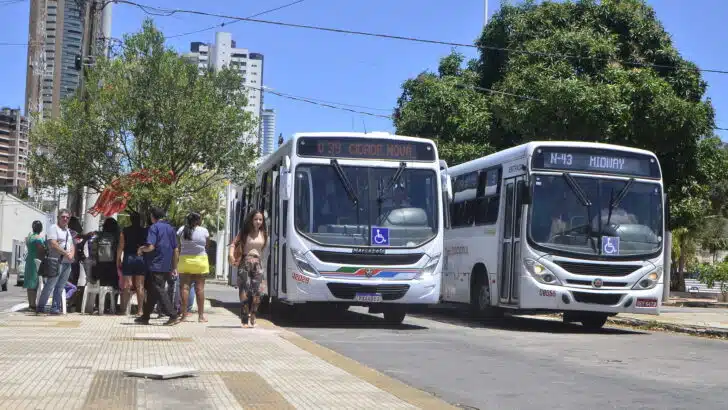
{"points": [[412, 395], [657, 325], [409, 394], [707, 305]]}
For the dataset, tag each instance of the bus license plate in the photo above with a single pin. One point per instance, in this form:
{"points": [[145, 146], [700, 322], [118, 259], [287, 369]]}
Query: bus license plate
{"points": [[646, 303], [368, 297]]}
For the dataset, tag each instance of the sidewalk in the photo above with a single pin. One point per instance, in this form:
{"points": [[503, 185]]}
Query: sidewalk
{"points": [[78, 362], [712, 322]]}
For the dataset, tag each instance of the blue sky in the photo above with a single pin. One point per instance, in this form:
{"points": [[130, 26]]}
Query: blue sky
{"points": [[358, 70]]}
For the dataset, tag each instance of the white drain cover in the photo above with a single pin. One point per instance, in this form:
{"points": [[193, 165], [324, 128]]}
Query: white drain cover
{"points": [[152, 336], [162, 372]]}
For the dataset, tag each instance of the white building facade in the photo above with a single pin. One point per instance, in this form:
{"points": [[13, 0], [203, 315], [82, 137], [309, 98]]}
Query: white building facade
{"points": [[224, 53], [268, 122]]}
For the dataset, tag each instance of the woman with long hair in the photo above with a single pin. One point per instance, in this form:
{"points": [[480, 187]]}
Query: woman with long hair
{"points": [[193, 264], [246, 252]]}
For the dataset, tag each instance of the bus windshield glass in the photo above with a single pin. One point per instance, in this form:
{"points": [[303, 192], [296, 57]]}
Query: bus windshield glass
{"points": [[595, 216], [403, 201]]}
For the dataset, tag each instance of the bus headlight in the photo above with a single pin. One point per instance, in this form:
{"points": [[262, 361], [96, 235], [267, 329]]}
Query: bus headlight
{"points": [[649, 281], [429, 268], [541, 273], [303, 264]]}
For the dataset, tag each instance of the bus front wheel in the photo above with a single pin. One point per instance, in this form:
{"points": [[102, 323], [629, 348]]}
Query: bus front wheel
{"points": [[394, 315], [594, 321]]}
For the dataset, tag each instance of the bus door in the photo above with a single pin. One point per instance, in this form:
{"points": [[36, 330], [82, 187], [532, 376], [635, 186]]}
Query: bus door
{"points": [[510, 264], [276, 227]]}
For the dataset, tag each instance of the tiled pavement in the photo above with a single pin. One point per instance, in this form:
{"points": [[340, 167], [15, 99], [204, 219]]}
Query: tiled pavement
{"points": [[77, 362]]}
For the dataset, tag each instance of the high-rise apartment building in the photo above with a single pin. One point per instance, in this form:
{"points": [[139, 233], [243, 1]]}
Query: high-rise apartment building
{"points": [[55, 39], [13, 150], [268, 121], [224, 53]]}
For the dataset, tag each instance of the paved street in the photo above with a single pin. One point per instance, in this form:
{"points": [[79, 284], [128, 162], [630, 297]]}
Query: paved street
{"points": [[530, 363], [14, 295]]}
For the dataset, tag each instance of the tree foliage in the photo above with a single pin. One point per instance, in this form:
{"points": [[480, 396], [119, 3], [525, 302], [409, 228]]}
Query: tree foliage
{"points": [[148, 109], [585, 71]]}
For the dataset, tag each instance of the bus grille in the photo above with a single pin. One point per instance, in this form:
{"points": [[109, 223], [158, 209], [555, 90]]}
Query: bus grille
{"points": [[368, 259], [609, 299], [348, 290], [591, 269]]}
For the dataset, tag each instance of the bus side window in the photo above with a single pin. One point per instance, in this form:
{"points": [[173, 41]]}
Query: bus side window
{"points": [[462, 209], [488, 196], [301, 203]]}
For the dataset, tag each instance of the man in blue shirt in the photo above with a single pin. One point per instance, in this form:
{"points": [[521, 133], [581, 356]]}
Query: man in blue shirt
{"points": [[159, 250]]}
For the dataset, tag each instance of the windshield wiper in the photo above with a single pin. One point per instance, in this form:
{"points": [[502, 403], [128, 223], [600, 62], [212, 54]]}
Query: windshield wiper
{"points": [[620, 196], [581, 196], [353, 197], [395, 178]]}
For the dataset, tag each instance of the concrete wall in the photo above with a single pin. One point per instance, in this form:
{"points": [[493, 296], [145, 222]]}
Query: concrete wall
{"points": [[16, 219]]}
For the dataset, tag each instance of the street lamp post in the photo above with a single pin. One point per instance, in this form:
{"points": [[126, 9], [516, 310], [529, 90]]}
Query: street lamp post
{"points": [[485, 13]]}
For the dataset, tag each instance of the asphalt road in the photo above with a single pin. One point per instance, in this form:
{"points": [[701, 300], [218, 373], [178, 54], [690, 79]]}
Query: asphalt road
{"points": [[520, 363], [14, 295]]}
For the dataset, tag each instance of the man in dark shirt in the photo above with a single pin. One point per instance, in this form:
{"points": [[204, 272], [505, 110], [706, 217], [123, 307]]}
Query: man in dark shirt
{"points": [[160, 246]]}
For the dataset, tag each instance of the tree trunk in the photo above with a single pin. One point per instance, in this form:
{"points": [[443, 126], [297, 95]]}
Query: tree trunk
{"points": [[680, 282]]}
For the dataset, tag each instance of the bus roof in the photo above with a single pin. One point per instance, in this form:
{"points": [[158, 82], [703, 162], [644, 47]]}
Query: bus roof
{"points": [[524, 150], [349, 134]]}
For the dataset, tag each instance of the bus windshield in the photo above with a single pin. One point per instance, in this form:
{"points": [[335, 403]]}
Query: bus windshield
{"points": [[340, 205], [596, 216]]}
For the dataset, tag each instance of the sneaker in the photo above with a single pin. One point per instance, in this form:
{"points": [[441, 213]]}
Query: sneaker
{"points": [[173, 321]]}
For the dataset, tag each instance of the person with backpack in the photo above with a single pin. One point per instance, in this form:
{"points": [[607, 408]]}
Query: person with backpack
{"points": [[103, 254]]}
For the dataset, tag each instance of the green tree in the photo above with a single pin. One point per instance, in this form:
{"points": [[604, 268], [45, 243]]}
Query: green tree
{"points": [[588, 73], [206, 202], [148, 109], [446, 108]]}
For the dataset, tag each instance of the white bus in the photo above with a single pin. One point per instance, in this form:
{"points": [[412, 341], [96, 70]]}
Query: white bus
{"points": [[568, 227], [354, 219]]}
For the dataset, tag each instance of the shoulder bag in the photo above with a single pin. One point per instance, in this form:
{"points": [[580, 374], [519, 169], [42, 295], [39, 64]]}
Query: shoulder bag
{"points": [[50, 266]]}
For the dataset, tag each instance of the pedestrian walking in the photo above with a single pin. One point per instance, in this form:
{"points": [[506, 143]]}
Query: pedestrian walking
{"points": [[159, 249], [193, 241], [58, 263], [246, 253]]}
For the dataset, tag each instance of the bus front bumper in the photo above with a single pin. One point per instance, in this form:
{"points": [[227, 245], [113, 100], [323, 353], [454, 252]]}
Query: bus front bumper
{"points": [[535, 295], [363, 292]]}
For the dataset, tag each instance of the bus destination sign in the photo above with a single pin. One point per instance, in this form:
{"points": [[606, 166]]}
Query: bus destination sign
{"points": [[365, 148], [596, 160]]}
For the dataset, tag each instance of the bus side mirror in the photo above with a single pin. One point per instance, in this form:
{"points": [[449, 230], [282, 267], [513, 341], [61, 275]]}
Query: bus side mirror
{"points": [[446, 185], [284, 180], [525, 193]]}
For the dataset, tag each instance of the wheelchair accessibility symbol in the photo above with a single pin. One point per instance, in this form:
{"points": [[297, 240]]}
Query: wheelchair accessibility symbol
{"points": [[610, 245], [380, 236]]}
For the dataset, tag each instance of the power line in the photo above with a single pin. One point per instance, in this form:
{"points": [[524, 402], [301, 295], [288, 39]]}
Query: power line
{"points": [[170, 12], [336, 106], [230, 22]]}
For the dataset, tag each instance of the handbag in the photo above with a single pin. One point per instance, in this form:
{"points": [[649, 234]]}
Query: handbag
{"points": [[50, 266]]}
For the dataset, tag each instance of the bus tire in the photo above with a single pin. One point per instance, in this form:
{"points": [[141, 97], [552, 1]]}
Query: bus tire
{"points": [[480, 296], [394, 315], [593, 321]]}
